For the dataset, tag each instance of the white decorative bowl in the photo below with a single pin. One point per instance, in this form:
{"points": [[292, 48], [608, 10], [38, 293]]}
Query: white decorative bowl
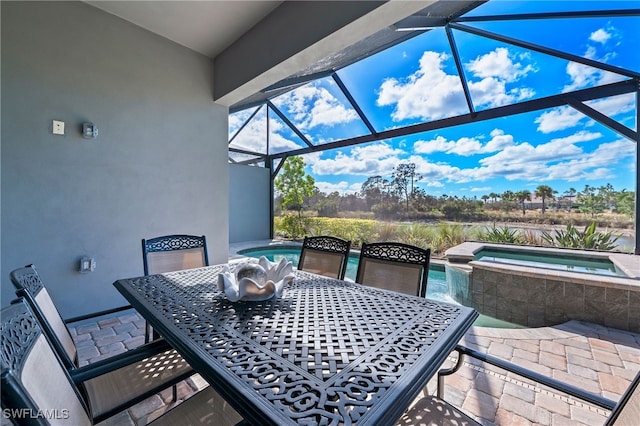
{"points": [[255, 281]]}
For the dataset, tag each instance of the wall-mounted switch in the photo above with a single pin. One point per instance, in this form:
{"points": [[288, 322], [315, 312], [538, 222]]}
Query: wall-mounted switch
{"points": [[89, 131], [58, 127], [87, 264]]}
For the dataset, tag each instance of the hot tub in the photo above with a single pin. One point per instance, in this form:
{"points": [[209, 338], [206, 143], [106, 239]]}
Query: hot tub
{"points": [[538, 286]]}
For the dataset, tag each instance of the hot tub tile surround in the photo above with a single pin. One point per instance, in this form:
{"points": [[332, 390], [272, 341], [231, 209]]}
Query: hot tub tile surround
{"points": [[537, 297]]}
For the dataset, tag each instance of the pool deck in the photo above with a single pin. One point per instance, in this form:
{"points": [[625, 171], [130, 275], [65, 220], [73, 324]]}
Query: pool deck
{"points": [[599, 359]]}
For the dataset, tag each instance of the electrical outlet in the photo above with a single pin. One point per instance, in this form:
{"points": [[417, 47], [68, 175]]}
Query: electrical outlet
{"points": [[58, 127]]}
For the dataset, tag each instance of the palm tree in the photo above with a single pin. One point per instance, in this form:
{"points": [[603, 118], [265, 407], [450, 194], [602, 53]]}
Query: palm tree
{"points": [[493, 196], [571, 193], [544, 192], [485, 198], [522, 196], [507, 198]]}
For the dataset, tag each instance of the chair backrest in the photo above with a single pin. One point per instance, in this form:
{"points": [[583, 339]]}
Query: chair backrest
{"points": [[30, 287], [174, 253], [394, 266], [325, 255], [36, 388], [627, 411]]}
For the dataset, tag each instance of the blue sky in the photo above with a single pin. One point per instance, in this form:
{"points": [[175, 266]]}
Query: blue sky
{"points": [[417, 81]]}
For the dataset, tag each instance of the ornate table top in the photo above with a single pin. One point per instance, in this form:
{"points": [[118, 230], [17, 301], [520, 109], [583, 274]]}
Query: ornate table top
{"points": [[326, 352]]}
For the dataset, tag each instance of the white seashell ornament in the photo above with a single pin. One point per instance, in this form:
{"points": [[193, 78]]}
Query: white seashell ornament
{"points": [[255, 281]]}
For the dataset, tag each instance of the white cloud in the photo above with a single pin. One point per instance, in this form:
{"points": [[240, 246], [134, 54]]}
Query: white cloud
{"points": [[599, 164], [600, 36], [498, 141], [464, 146], [614, 105], [560, 118], [558, 159], [525, 153], [428, 94], [581, 136], [313, 105], [236, 120], [581, 76], [499, 64], [369, 160], [254, 136], [495, 70], [480, 189], [433, 174], [342, 187], [565, 117]]}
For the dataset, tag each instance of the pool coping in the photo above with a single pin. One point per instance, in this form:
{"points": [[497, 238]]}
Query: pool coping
{"points": [[628, 263]]}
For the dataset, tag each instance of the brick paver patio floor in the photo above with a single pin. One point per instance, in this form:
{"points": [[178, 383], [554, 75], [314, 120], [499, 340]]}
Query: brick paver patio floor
{"points": [[595, 358]]}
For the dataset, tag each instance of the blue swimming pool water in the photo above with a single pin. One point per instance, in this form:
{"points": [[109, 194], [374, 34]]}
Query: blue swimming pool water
{"points": [[437, 287], [549, 261]]}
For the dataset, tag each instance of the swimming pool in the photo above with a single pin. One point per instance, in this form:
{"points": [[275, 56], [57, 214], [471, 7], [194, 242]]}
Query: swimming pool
{"points": [[437, 287]]}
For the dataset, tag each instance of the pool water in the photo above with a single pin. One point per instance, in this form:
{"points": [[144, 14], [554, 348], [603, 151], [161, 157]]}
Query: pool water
{"points": [[541, 260], [437, 287]]}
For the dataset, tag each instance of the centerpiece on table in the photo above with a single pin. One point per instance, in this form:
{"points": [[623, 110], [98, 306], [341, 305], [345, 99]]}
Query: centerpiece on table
{"points": [[255, 281]]}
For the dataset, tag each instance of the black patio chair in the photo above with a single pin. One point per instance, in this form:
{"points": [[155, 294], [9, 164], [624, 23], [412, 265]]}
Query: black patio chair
{"points": [[173, 253], [394, 266], [325, 255], [104, 374], [37, 389]]}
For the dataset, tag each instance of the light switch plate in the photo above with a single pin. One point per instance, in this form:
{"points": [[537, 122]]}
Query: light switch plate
{"points": [[58, 127]]}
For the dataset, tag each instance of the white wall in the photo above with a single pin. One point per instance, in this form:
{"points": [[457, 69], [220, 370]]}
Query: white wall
{"points": [[158, 166], [249, 203]]}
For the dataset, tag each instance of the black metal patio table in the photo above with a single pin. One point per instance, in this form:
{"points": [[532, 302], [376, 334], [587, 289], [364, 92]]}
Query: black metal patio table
{"points": [[325, 352]]}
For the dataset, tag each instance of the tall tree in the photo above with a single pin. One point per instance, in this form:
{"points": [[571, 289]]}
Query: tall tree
{"points": [[591, 202], [294, 184], [372, 190], [522, 196], [403, 178], [507, 197], [571, 193], [544, 192]]}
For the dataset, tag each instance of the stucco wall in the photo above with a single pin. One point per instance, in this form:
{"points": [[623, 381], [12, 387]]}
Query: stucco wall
{"points": [[249, 203], [158, 166]]}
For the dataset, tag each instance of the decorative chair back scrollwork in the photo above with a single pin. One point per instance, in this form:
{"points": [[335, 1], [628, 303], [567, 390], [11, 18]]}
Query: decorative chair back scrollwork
{"points": [[325, 255], [394, 266], [29, 286], [174, 253]]}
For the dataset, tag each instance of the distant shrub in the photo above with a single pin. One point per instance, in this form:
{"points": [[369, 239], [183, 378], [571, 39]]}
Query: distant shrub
{"points": [[290, 226], [387, 231], [587, 239], [500, 235], [416, 234]]}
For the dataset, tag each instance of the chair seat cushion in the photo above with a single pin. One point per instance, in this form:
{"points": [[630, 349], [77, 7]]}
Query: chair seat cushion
{"points": [[206, 407], [111, 390], [431, 410]]}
